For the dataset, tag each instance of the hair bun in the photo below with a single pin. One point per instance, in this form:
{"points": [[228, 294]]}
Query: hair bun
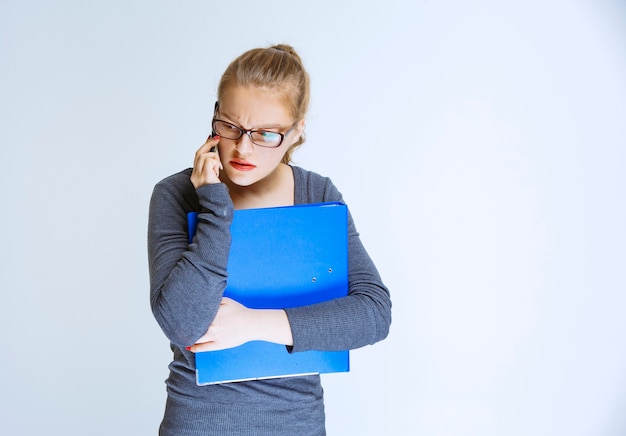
{"points": [[286, 48]]}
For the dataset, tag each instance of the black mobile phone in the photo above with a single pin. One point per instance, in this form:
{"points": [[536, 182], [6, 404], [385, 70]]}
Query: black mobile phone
{"points": [[213, 135]]}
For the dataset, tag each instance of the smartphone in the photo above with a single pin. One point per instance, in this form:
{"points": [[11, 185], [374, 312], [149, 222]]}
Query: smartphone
{"points": [[213, 134]]}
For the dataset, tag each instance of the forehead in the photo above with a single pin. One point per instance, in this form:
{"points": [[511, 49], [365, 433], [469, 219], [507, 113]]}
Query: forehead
{"points": [[254, 107]]}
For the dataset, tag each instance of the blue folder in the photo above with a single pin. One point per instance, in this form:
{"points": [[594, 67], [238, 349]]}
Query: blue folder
{"points": [[279, 258]]}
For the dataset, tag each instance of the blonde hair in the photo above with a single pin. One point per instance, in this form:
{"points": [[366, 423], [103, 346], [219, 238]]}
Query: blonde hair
{"points": [[277, 68]]}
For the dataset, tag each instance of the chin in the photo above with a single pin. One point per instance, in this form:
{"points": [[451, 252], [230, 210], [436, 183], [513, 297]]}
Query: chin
{"points": [[242, 180]]}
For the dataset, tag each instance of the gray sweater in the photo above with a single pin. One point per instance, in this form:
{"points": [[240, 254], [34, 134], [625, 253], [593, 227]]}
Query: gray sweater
{"points": [[186, 286]]}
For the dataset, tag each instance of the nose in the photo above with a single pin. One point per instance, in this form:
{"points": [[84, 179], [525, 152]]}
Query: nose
{"points": [[244, 145]]}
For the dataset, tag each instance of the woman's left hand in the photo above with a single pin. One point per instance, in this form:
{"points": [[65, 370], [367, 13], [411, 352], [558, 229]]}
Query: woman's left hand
{"points": [[235, 324], [230, 328]]}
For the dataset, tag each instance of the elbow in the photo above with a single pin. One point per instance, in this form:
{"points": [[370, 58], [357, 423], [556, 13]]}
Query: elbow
{"points": [[180, 337], [382, 321], [178, 333], [384, 326], [178, 327], [184, 312]]}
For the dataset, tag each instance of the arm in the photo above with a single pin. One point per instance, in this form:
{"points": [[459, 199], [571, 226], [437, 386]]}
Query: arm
{"points": [[236, 324], [187, 280], [361, 318]]}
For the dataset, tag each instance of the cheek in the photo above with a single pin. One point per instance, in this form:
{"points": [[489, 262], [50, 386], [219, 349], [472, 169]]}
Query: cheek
{"points": [[275, 158]]}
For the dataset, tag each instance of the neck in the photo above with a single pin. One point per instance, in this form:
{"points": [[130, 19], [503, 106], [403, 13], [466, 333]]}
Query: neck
{"points": [[277, 189]]}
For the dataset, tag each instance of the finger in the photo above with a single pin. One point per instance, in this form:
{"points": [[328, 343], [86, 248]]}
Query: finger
{"points": [[205, 346], [195, 348], [203, 161], [211, 142], [210, 165], [209, 148], [204, 173], [198, 164], [216, 161], [206, 163], [198, 174]]}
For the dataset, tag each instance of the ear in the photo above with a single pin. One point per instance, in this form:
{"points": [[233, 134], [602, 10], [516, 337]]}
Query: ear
{"points": [[300, 128]]}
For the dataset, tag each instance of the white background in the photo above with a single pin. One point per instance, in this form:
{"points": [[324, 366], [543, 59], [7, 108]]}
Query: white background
{"points": [[479, 144]]}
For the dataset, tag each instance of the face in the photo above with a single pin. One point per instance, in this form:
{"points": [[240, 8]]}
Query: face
{"points": [[245, 163]]}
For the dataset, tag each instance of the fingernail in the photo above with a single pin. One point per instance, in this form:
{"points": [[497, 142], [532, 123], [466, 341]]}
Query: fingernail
{"points": [[216, 137], [188, 348]]}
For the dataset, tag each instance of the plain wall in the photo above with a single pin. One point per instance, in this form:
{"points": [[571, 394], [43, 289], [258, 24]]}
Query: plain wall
{"points": [[479, 144]]}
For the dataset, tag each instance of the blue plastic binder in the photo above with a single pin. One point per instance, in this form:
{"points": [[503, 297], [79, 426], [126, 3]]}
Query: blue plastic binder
{"points": [[279, 258]]}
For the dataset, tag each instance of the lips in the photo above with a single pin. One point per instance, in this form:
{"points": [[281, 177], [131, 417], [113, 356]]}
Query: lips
{"points": [[242, 165]]}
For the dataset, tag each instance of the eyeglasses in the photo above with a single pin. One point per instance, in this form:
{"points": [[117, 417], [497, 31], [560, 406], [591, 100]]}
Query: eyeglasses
{"points": [[262, 138]]}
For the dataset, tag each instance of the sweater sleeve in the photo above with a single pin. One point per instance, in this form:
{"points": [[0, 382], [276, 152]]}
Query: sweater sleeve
{"points": [[187, 281], [361, 318]]}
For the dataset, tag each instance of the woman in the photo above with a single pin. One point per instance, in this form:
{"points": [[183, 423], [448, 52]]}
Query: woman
{"points": [[259, 120]]}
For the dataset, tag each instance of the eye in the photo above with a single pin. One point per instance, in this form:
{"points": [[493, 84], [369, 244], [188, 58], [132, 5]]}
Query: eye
{"points": [[226, 130], [230, 127], [268, 136]]}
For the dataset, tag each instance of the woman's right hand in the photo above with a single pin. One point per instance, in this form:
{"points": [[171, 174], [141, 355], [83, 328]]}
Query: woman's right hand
{"points": [[207, 164]]}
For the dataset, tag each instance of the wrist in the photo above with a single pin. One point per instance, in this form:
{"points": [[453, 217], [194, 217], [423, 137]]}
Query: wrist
{"points": [[272, 325]]}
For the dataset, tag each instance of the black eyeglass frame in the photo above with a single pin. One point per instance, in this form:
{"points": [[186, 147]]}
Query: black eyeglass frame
{"points": [[249, 132]]}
